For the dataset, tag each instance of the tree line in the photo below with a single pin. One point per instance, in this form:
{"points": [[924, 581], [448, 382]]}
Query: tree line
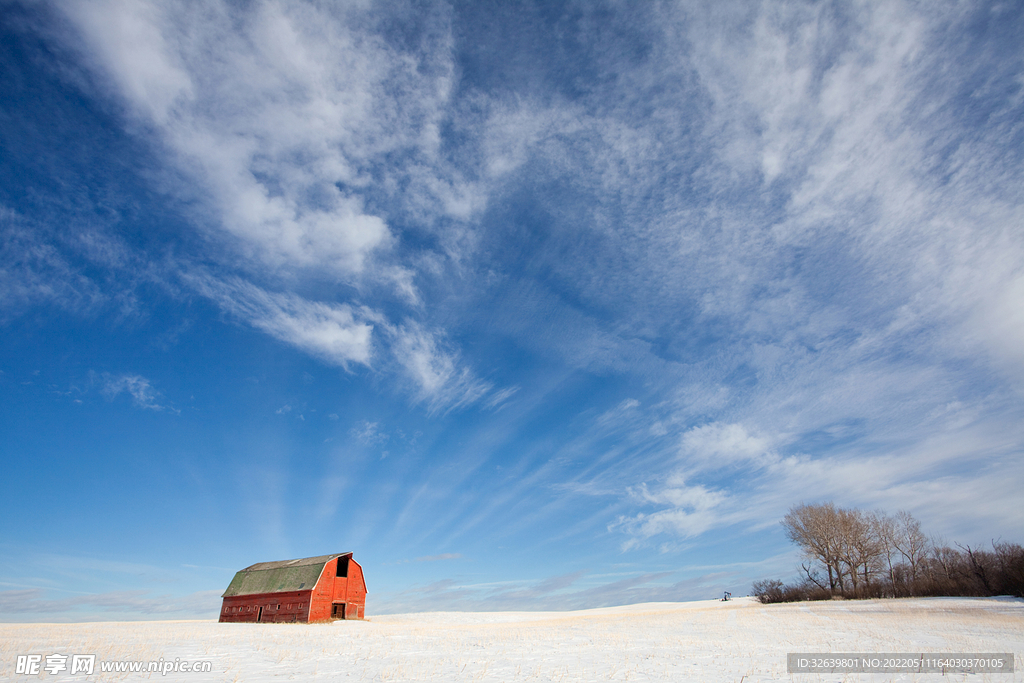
{"points": [[853, 554]]}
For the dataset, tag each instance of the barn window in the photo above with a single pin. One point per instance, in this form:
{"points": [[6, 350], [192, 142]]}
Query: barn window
{"points": [[342, 566]]}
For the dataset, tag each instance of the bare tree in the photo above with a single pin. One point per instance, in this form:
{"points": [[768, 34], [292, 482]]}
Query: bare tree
{"points": [[981, 567], [816, 529], [1010, 557], [911, 543], [860, 547], [812, 577], [945, 568], [885, 531]]}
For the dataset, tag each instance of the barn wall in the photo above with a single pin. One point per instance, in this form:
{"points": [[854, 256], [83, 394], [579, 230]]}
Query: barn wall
{"points": [[355, 591], [320, 604], [277, 607], [330, 589]]}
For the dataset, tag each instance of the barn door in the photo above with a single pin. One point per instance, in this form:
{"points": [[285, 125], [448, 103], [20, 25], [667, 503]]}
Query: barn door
{"points": [[259, 614], [338, 610]]}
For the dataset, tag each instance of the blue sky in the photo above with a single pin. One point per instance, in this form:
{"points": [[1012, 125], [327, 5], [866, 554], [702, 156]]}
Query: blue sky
{"points": [[529, 305]]}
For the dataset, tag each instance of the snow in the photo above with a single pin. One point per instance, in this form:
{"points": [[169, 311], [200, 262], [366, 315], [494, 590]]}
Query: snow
{"points": [[739, 640]]}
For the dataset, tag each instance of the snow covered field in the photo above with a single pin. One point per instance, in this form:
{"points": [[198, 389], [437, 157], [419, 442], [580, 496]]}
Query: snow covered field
{"points": [[739, 640]]}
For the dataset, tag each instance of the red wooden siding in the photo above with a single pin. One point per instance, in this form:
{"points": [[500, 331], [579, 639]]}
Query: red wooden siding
{"points": [[332, 589], [277, 607]]}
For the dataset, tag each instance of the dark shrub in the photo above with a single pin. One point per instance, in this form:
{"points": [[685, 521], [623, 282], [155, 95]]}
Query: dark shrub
{"points": [[768, 590]]}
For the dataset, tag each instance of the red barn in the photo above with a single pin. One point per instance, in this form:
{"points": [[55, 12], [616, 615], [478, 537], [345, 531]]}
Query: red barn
{"points": [[305, 590]]}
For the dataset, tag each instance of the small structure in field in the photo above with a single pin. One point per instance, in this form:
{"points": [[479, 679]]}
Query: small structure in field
{"points": [[305, 590]]}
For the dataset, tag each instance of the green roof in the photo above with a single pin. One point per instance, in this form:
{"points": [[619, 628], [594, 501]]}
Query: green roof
{"points": [[279, 577]]}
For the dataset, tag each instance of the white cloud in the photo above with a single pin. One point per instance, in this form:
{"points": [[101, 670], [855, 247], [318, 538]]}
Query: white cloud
{"points": [[719, 445], [369, 433], [33, 270], [844, 116], [675, 522], [441, 380], [836, 228], [289, 116], [693, 509], [292, 119], [336, 333], [341, 334], [831, 126], [498, 398], [128, 39], [138, 387], [958, 454], [678, 494]]}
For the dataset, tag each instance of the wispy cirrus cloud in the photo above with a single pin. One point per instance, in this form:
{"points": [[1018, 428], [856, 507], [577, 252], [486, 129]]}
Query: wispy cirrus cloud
{"points": [[290, 116], [794, 189], [305, 128], [33, 270], [337, 333], [809, 240], [847, 120], [369, 433], [687, 482], [718, 445], [139, 388], [442, 381], [341, 334]]}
